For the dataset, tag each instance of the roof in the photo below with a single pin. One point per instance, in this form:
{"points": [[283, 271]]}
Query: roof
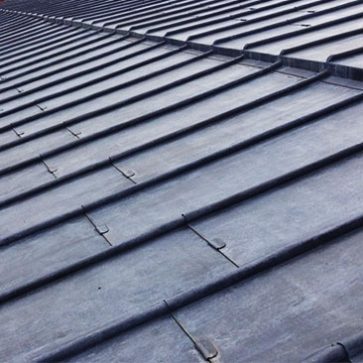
{"points": [[181, 181]]}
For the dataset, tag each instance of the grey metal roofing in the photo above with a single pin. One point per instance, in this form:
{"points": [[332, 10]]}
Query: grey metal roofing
{"points": [[181, 181]]}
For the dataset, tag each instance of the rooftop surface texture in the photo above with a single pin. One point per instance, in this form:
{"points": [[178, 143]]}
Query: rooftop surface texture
{"points": [[181, 181]]}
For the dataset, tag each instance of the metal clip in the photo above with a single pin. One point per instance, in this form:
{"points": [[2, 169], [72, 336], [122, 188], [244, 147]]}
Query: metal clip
{"points": [[100, 228], [41, 107], [205, 347], [217, 243], [129, 173]]}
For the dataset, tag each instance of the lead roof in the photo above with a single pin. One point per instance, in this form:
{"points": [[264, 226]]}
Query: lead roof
{"points": [[181, 181]]}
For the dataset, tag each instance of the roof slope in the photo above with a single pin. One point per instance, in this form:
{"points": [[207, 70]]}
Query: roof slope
{"points": [[181, 181]]}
